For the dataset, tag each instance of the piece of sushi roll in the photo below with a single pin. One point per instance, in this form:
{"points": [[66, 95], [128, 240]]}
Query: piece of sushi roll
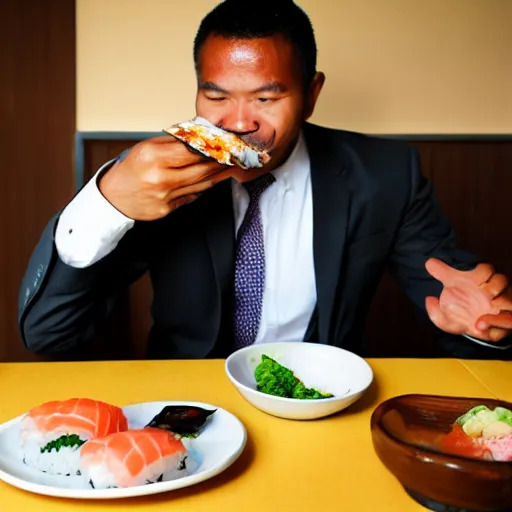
{"points": [[220, 145], [132, 458], [52, 434]]}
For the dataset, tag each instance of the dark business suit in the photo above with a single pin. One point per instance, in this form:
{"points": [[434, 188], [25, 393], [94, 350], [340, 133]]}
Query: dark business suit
{"points": [[372, 208]]}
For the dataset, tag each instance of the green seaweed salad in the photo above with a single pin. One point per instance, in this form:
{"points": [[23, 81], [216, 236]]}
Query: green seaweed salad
{"points": [[273, 378]]}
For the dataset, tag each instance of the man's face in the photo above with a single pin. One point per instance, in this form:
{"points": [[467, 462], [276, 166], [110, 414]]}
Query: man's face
{"points": [[254, 88]]}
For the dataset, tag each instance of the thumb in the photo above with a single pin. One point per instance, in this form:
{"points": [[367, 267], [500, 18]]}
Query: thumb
{"points": [[434, 310], [440, 270], [436, 314]]}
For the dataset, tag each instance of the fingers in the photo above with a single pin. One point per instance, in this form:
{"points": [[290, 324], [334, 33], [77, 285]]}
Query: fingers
{"points": [[161, 159], [491, 333], [166, 152], [199, 186], [166, 180], [481, 274], [182, 201], [445, 273], [502, 320], [503, 302], [496, 334], [495, 327], [223, 175], [208, 171], [178, 156], [440, 270], [496, 285], [196, 188], [491, 327]]}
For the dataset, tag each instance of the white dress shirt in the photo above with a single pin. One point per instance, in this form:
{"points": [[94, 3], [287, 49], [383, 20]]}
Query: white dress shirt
{"points": [[289, 295], [89, 228]]}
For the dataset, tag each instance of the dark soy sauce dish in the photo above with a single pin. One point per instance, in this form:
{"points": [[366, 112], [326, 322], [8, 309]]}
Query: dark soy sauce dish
{"points": [[407, 434]]}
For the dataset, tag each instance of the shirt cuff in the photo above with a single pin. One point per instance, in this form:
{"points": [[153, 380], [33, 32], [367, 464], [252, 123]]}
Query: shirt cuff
{"points": [[89, 228], [503, 345]]}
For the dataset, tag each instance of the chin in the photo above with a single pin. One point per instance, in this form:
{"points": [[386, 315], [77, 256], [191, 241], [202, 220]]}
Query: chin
{"points": [[244, 175]]}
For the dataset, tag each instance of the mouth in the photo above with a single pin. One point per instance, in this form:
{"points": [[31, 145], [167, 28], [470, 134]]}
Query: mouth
{"points": [[259, 144]]}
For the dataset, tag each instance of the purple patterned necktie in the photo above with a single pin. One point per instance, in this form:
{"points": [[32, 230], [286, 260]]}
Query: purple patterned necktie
{"points": [[250, 266]]}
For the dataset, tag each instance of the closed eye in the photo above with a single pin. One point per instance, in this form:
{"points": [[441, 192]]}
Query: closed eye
{"points": [[217, 98]]}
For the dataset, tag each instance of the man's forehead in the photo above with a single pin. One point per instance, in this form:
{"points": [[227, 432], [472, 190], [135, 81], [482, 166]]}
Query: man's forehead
{"points": [[236, 59], [239, 47]]}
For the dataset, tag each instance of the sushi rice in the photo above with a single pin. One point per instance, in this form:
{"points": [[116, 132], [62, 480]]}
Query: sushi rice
{"points": [[135, 457], [52, 434], [99, 476], [64, 461]]}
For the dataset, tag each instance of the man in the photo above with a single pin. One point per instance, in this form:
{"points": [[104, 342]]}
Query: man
{"points": [[293, 251]]}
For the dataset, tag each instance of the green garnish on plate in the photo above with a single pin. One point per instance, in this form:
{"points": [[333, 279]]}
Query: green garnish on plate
{"points": [[275, 379], [57, 444]]}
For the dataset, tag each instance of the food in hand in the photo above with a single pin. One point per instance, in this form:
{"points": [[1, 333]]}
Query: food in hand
{"points": [[482, 433], [53, 432], [132, 458], [181, 420], [273, 378], [220, 145]]}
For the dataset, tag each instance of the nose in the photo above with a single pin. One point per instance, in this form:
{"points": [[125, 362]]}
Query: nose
{"points": [[240, 120]]}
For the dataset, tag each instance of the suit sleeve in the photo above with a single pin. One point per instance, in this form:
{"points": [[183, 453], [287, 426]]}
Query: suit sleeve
{"points": [[424, 233], [62, 308]]}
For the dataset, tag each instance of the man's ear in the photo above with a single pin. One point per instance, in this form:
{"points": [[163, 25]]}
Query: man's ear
{"points": [[314, 89]]}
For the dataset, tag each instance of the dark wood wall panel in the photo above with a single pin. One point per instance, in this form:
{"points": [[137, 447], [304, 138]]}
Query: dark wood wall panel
{"points": [[136, 307], [37, 113], [475, 192], [472, 181]]}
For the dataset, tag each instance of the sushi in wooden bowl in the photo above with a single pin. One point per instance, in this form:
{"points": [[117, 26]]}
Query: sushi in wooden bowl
{"points": [[407, 433]]}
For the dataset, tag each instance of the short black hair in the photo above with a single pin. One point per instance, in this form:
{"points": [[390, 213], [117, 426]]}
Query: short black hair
{"points": [[251, 19]]}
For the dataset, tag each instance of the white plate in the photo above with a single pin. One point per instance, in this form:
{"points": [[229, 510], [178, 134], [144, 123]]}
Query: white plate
{"points": [[218, 446]]}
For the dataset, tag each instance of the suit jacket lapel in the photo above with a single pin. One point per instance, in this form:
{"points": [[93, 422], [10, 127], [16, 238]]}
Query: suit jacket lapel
{"points": [[219, 226], [331, 205]]}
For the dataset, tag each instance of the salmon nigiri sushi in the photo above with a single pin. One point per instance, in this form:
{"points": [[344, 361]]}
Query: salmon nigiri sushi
{"points": [[52, 433], [132, 458]]}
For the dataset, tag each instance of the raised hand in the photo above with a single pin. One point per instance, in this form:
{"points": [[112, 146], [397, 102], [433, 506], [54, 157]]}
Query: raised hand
{"points": [[157, 176], [476, 302]]}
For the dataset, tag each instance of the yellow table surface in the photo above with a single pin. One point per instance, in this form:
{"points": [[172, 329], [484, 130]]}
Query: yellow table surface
{"points": [[495, 376], [323, 465]]}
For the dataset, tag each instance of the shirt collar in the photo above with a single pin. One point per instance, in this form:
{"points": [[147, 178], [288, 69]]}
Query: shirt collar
{"points": [[291, 170], [297, 160]]}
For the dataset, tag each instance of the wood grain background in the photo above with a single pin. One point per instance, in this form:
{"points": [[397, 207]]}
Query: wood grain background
{"points": [[37, 126]]}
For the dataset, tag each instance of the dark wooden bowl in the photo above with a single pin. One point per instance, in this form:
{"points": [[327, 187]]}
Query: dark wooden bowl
{"points": [[405, 431]]}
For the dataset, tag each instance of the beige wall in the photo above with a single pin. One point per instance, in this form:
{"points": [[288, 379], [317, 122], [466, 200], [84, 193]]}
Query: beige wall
{"points": [[392, 66]]}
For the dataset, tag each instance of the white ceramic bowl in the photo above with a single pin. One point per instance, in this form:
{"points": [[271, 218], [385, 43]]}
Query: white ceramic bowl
{"points": [[324, 367]]}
